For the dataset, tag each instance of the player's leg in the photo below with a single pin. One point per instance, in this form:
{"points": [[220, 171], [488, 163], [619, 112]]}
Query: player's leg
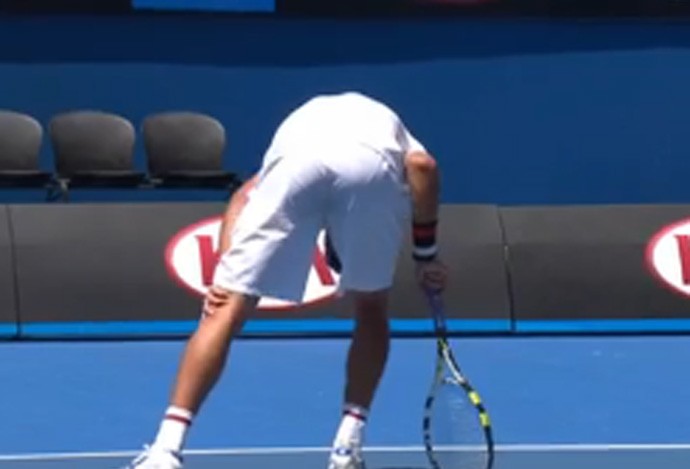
{"points": [[366, 361], [368, 351], [367, 236], [270, 255], [201, 365], [207, 350]]}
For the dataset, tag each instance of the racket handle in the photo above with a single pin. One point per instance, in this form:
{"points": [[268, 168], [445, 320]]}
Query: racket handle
{"points": [[435, 298], [437, 311]]}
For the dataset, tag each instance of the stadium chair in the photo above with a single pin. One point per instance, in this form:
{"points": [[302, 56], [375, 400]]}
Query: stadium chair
{"points": [[20, 144], [94, 149], [185, 150]]}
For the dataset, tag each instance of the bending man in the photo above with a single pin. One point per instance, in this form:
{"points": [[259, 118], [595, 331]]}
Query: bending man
{"points": [[344, 163]]}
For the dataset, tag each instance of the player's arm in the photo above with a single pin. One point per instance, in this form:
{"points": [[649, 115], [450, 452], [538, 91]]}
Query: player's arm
{"points": [[424, 183], [235, 206]]}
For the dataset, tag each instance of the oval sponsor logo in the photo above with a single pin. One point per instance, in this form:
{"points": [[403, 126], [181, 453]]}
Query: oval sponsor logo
{"points": [[192, 254], [668, 256]]}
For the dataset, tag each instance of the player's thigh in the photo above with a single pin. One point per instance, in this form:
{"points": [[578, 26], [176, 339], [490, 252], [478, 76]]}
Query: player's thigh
{"points": [[368, 242], [274, 237]]}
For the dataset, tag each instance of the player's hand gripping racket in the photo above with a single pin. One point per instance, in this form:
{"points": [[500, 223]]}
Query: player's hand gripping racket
{"points": [[457, 429]]}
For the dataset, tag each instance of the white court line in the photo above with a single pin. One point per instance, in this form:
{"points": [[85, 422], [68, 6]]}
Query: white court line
{"points": [[268, 451]]}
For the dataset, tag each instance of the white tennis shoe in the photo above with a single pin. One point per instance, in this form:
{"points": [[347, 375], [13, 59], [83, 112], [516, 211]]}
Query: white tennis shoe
{"points": [[156, 458], [346, 457]]}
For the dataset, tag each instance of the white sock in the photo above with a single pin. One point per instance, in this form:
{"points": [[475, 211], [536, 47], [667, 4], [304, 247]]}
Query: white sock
{"points": [[173, 429], [351, 429]]}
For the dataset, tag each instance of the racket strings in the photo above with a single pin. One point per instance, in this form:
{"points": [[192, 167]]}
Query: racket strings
{"points": [[458, 436]]}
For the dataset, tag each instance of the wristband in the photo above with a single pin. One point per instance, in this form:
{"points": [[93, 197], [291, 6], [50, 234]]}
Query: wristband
{"points": [[424, 241]]}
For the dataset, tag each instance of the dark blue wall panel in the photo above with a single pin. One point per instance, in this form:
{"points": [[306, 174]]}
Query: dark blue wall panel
{"points": [[516, 111]]}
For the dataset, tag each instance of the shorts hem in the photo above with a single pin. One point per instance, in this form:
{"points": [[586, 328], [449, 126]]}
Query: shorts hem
{"points": [[257, 293], [240, 289]]}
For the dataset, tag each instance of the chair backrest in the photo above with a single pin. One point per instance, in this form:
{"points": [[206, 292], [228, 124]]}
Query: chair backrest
{"points": [[88, 140], [20, 141], [183, 141]]}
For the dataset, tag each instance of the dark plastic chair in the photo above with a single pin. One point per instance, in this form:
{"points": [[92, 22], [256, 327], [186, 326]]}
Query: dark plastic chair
{"points": [[94, 149], [20, 145], [185, 150]]}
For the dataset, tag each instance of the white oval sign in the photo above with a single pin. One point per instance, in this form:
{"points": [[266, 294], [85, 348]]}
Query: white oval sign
{"points": [[668, 256], [192, 254]]}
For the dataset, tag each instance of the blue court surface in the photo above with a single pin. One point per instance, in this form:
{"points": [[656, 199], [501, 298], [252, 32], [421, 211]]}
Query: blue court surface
{"points": [[568, 402]]}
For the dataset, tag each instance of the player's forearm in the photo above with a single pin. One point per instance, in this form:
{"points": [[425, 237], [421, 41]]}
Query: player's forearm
{"points": [[235, 206], [424, 182]]}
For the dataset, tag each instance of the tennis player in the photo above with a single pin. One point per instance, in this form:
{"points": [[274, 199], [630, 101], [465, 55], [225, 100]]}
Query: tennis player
{"points": [[344, 163]]}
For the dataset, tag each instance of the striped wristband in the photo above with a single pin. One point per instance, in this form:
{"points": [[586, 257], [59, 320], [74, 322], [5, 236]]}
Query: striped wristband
{"points": [[424, 241]]}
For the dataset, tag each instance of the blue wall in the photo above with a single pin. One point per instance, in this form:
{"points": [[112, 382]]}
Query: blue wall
{"points": [[517, 111]]}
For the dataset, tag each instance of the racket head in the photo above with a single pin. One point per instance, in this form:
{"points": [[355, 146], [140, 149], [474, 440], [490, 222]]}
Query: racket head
{"points": [[457, 428]]}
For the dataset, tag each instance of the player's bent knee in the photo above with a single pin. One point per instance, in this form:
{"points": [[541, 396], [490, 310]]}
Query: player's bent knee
{"points": [[233, 312]]}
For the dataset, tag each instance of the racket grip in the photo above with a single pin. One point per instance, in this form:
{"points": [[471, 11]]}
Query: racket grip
{"points": [[435, 298]]}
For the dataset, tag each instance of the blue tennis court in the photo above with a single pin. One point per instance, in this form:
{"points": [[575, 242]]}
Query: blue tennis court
{"points": [[569, 402]]}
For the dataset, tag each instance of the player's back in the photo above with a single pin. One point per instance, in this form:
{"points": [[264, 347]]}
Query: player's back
{"points": [[330, 125]]}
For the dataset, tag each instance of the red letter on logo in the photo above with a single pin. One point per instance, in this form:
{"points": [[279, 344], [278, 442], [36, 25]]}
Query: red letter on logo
{"points": [[684, 254], [209, 258], [322, 269]]}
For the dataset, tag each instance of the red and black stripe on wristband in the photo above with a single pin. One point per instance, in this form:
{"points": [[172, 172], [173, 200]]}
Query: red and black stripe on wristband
{"points": [[424, 247]]}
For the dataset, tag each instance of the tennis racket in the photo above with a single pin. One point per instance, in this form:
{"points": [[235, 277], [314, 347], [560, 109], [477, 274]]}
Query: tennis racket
{"points": [[457, 428]]}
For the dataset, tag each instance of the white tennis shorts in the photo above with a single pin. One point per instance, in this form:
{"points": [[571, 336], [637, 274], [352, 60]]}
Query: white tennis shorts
{"points": [[357, 195]]}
